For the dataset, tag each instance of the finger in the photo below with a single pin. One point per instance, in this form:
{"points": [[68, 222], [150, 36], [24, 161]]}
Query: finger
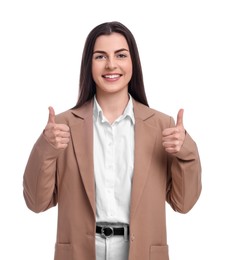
{"points": [[64, 134], [171, 150], [172, 147], [61, 133], [170, 131], [64, 140], [180, 117], [51, 118], [61, 128]]}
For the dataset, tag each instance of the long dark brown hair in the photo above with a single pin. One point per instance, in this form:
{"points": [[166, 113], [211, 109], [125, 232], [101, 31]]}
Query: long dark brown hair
{"points": [[87, 87]]}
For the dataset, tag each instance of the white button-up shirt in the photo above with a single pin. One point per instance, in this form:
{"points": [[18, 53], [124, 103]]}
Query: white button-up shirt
{"points": [[113, 164]]}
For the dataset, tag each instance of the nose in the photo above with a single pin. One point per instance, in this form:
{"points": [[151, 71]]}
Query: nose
{"points": [[110, 63]]}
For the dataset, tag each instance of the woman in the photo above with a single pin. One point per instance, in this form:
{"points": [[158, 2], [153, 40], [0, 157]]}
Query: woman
{"points": [[111, 162]]}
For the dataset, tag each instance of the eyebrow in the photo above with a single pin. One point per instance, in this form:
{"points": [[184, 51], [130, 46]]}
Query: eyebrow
{"points": [[123, 49]]}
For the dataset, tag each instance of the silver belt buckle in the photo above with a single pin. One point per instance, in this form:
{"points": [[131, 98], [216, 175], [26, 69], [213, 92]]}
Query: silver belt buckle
{"points": [[107, 232]]}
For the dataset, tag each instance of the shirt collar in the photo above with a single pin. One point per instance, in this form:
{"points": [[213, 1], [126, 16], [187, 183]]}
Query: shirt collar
{"points": [[128, 112]]}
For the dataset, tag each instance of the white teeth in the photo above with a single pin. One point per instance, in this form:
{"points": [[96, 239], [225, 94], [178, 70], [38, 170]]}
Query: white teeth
{"points": [[111, 76]]}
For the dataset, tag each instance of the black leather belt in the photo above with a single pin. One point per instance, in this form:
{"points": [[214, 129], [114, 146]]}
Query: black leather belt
{"points": [[109, 231]]}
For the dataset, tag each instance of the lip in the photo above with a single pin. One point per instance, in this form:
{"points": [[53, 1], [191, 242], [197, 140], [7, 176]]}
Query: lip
{"points": [[112, 76]]}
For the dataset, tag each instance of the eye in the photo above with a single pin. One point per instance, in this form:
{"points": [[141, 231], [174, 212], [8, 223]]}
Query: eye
{"points": [[100, 57], [121, 55]]}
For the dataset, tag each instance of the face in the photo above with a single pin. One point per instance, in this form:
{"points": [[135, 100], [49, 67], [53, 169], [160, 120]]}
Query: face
{"points": [[111, 64]]}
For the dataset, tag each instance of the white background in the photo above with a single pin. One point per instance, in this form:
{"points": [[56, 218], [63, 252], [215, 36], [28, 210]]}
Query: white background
{"points": [[183, 49]]}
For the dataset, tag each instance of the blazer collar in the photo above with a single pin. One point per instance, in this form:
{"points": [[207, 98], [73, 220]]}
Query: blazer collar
{"points": [[84, 111], [140, 111]]}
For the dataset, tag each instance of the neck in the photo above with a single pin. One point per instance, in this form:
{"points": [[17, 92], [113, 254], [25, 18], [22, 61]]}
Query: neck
{"points": [[113, 105]]}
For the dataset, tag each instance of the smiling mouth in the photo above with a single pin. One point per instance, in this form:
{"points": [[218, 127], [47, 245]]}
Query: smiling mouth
{"points": [[112, 76]]}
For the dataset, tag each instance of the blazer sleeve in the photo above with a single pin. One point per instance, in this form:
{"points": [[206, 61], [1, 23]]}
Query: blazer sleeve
{"points": [[39, 181], [184, 177]]}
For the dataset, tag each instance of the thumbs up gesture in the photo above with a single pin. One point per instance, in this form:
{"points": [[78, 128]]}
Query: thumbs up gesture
{"points": [[173, 138], [57, 135]]}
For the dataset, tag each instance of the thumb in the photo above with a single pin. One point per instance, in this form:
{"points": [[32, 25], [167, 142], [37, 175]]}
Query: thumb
{"points": [[180, 117], [51, 118]]}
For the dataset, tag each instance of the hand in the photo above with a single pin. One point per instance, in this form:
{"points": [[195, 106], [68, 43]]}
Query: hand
{"points": [[56, 134], [173, 138]]}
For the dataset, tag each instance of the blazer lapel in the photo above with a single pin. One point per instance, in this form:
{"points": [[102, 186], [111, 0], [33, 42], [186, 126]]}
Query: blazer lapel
{"points": [[82, 137], [145, 137]]}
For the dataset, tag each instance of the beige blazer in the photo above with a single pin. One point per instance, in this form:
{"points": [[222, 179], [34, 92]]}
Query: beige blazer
{"points": [[66, 178]]}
